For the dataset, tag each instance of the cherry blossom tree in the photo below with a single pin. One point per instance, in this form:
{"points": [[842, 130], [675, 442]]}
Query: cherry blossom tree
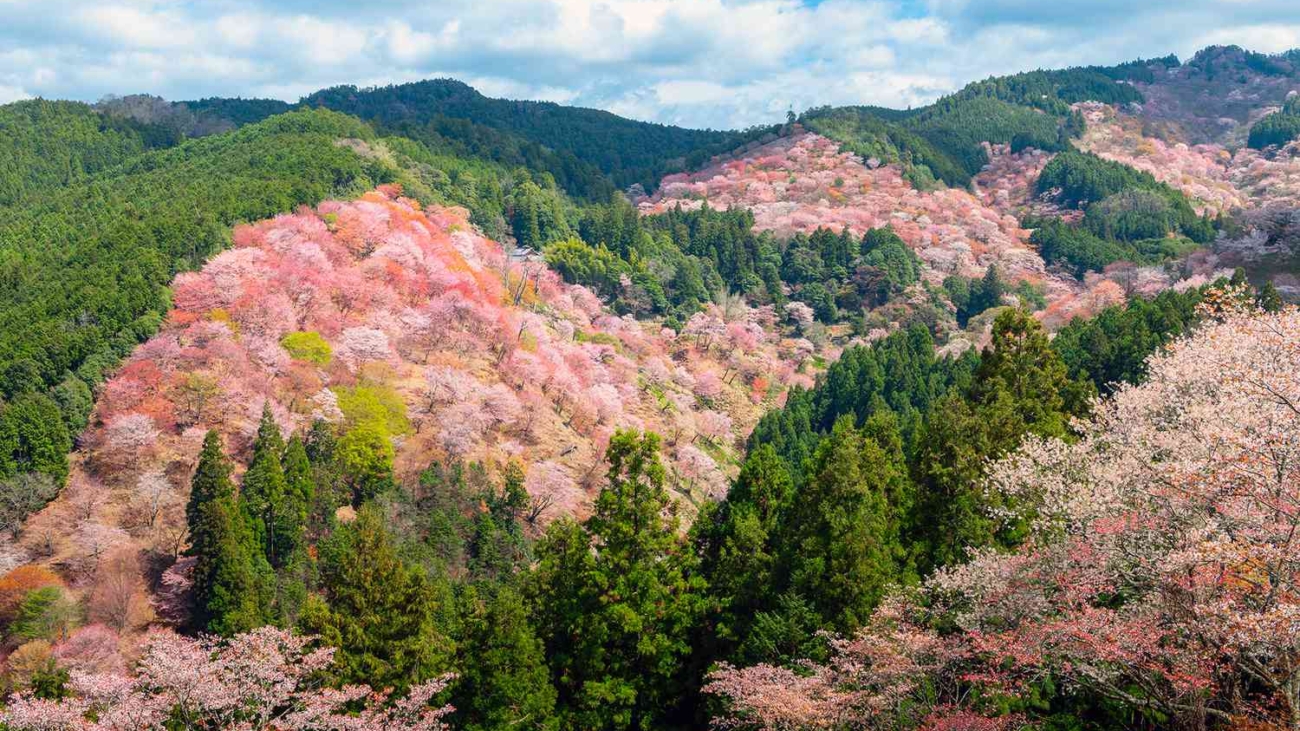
{"points": [[546, 483], [93, 649], [713, 425], [1181, 496], [705, 328], [262, 681], [127, 440], [360, 344], [896, 672]]}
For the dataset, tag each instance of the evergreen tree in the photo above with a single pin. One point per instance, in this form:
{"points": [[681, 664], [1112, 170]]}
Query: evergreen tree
{"points": [[839, 547], [1268, 298], [230, 593], [618, 599], [1020, 387], [380, 612], [263, 492], [503, 682], [735, 543], [299, 495], [33, 437]]}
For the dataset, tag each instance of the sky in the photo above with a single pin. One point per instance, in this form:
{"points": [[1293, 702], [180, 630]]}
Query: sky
{"points": [[699, 63]]}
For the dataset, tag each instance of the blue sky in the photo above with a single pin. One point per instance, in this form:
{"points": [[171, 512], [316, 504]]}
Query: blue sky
{"points": [[718, 63]]}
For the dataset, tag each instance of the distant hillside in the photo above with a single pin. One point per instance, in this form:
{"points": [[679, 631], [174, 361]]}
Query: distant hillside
{"points": [[1218, 94], [627, 150], [590, 153], [86, 258], [47, 144]]}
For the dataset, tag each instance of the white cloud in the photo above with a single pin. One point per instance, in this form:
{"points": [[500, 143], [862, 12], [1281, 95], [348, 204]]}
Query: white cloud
{"points": [[12, 94], [697, 62], [132, 27]]}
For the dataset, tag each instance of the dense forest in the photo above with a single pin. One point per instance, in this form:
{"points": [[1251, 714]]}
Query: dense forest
{"points": [[944, 141], [1279, 128], [629, 152], [1128, 215]]}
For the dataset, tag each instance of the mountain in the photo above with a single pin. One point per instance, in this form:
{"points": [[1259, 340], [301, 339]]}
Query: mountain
{"points": [[628, 151]]}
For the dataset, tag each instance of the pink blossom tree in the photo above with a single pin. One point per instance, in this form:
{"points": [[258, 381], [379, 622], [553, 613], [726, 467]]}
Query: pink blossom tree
{"points": [[261, 681]]}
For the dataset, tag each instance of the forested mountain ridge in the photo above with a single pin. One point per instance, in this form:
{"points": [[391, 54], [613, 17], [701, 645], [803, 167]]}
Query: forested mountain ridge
{"points": [[950, 418]]}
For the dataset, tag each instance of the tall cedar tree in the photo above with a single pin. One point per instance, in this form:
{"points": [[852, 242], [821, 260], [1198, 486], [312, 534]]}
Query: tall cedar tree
{"points": [[230, 593], [503, 682], [735, 544], [619, 597], [378, 611], [1021, 387], [263, 490], [299, 495], [841, 544]]}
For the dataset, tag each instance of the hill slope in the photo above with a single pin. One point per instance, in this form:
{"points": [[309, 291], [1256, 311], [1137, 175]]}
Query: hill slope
{"points": [[378, 310]]}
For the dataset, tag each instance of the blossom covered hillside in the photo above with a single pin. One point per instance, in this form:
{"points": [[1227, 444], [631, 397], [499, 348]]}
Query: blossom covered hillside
{"points": [[1260, 189], [408, 328], [803, 182]]}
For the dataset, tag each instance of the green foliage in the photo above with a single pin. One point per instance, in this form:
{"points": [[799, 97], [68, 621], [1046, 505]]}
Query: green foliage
{"points": [[595, 267], [262, 494], [1129, 215], [616, 599], [735, 542], [841, 545], [47, 613], [309, 347], [504, 682], [84, 268], [536, 214], [1021, 387], [365, 459], [46, 145], [1077, 250], [232, 580], [567, 142], [1076, 179], [1277, 129], [377, 610], [216, 112], [75, 401], [376, 405], [973, 296], [900, 372], [898, 265], [1052, 91], [33, 438], [944, 141], [1111, 348], [833, 272]]}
